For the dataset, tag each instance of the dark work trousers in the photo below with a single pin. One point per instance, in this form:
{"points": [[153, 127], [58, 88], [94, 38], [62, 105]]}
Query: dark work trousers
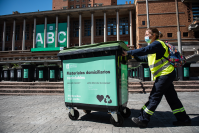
{"points": [[163, 86]]}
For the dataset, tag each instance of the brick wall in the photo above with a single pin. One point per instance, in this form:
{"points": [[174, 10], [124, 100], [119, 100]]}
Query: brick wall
{"points": [[59, 4], [166, 23]]}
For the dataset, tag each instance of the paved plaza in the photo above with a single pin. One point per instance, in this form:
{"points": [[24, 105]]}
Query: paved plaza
{"points": [[48, 114]]}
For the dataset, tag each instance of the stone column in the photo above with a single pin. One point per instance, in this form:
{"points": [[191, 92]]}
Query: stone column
{"points": [[56, 36], [68, 29], [80, 37], [105, 28], [45, 32], [34, 32], [92, 27], [4, 36], [13, 37], [117, 24], [130, 25], [23, 39]]}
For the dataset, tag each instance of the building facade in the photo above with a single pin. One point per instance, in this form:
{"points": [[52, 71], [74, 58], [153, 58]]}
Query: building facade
{"points": [[19, 32], [71, 4], [162, 15]]}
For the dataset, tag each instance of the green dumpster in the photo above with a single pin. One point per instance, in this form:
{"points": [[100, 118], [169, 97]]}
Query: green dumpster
{"points": [[28, 72], [42, 73], [6, 74], [13, 74], [53, 72], [95, 78], [60, 74], [1, 75], [19, 74], [184, 71]]}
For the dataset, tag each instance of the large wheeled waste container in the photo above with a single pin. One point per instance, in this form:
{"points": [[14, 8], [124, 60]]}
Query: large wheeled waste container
{"points": [[53, 73], [42, 73], [19, 74], [95, 78], [13, 74], [145, 72], [184, 71], [28, 71], [1, 75], [6, 74]]}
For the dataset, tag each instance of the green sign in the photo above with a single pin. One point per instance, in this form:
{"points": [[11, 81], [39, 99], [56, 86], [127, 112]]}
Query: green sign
{"points": [[61, 74], [186, 71], [25, 73], [62, 35], [50, 37], [52, 74], [124, 83], [146, 72], [91, 80], [40, 74], [39, 36]]}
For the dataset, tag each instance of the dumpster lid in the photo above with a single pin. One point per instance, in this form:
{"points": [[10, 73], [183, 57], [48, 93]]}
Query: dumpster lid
{"points": [[112, 45]]}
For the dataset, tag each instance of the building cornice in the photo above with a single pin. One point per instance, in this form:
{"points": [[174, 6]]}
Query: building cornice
{"points": [[35, 14]]}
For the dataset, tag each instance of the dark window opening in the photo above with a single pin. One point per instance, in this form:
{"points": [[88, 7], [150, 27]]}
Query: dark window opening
{"points": [[169, 34], [111, 26], [185, 34], [143, 22], [123, 26], [17, 30], [87, 28], [99, 27], [27, 32], [8, 33], [76, 29]]}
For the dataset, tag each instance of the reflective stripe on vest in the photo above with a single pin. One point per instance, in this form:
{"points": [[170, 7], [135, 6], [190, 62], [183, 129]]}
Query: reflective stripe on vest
{"points": [[147, 110], [178, 110], [158, 63], [161, 66]]}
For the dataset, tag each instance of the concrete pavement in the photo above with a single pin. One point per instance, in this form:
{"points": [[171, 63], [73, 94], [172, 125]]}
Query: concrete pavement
{"points": [[48, 114]]}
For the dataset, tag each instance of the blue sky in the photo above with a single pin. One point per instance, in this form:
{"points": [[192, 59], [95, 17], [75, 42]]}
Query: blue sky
{"points": [[24, 6]]}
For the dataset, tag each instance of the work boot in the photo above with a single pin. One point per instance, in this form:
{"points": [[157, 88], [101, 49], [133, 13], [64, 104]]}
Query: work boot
{"points": [[139, 122], [182, 123]]}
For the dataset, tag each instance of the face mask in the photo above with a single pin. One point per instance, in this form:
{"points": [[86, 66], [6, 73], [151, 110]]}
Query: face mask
{"points": [[147, 39]]}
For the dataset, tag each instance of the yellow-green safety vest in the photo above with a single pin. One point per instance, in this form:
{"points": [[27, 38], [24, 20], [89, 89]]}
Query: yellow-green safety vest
{"points": [[161, 66]]}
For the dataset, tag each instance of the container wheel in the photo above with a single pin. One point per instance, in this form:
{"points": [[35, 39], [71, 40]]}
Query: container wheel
{"points": [[120, 121], [87, 111], [127, 114], [76, 115]]}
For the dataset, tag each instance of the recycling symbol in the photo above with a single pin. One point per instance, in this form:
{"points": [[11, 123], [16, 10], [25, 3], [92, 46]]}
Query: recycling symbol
{"points": [[106, 99]]}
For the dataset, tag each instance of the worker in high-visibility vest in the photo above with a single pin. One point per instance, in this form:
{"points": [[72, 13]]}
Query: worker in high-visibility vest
{"points": [[163, 74]]}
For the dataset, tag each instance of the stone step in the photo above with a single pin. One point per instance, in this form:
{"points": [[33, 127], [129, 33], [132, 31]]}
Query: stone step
{"points": [[30, 83], [33, 86], [149, 90], [31, 94], [18, 90], [175, 83], [175, 86]]}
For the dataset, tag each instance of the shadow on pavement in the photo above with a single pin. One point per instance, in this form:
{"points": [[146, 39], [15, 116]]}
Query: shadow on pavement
{"points": [[159, 119]]}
